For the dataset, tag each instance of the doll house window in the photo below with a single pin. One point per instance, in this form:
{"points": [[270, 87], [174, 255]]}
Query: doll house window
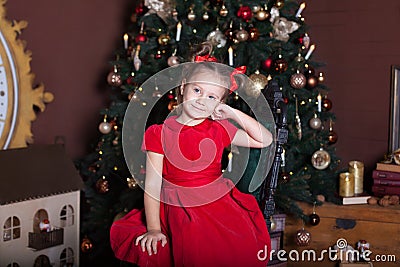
{"points": [[40, 216], [11, 229], [14, 264], [42, 261], [67, 258], [67, 216]]}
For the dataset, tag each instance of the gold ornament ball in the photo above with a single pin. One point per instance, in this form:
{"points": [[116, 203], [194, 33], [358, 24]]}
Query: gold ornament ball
{"points": [[131, 183], [255, 8], [320, 159], [259, 80], [206, 16], [281, 65], [191, 16], [86, 245], [102, 186], [298, 80], [262, 15], [164, 39], [252, 90], [224, 11], [280, 3], [242, 35], [273, 223], [312, 82]]}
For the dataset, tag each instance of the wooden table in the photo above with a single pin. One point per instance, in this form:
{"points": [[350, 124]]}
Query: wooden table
{"points": [[379, 226]]}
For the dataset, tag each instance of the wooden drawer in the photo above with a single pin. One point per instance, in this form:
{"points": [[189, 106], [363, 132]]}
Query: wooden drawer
{"points": [[380, 226]]}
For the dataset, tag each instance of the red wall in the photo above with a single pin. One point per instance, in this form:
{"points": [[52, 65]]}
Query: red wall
{"points": [[72, 42]]}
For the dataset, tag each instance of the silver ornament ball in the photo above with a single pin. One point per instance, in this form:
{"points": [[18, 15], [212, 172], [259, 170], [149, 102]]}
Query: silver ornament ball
{"points": [[315, 123], [105, 127]]}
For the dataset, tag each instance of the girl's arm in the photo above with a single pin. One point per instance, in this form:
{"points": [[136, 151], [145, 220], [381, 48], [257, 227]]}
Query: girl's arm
{"points": [[253, 134], [148, 241]]}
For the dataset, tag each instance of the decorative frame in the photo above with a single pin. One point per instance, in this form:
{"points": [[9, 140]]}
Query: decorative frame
{"points": [[394, 128], [18, 96]]}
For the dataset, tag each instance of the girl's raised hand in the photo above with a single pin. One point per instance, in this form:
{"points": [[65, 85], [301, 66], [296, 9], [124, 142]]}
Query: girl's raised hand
{"points": [[148, 241], [222, 112]]}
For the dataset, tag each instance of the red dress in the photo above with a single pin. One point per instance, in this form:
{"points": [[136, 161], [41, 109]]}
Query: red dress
{"points": [[207, 221]]}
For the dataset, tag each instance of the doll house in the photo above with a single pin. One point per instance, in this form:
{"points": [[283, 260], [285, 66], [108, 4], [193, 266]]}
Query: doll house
{"points": [[39, 207]]}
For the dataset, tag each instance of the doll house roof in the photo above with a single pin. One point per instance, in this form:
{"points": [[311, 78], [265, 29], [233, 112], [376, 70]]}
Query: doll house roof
{"points": [[35, 172]]}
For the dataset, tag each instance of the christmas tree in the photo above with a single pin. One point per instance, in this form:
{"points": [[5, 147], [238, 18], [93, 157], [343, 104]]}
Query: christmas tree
{"points": [[271, 39]]}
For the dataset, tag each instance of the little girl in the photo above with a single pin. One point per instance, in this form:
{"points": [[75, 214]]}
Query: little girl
{"points": [[192, 215]]}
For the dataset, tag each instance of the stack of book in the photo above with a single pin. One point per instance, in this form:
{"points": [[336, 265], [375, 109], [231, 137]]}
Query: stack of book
{"points": [[386, 179]]}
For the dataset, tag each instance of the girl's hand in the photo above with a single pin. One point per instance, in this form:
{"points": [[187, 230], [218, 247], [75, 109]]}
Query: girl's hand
{"points": [[148, 241], [222, 112]]}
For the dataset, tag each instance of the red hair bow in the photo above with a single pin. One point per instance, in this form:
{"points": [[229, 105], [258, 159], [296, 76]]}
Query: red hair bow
{"points": [[205, 58], [238, 70]]}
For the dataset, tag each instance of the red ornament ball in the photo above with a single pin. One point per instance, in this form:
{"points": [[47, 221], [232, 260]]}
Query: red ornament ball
{"points": [[158, 55], [326, 104], [229, 33], [139, 9], [140, 38], [130, 80], [285, 100], [281, 65], [300, 40], [332, 137], [267, 64], [253, 34], [245, 13]]}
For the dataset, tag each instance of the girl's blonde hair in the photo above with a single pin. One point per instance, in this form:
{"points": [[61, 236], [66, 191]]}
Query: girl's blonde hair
{"points": [[222, 75]]}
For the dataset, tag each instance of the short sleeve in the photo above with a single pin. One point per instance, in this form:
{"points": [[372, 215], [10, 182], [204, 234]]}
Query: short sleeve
{"points": [[152, 139], [228, 132]]}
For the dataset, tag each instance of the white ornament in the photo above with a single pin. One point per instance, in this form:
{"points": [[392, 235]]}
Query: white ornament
{"points": [[274, 13]]}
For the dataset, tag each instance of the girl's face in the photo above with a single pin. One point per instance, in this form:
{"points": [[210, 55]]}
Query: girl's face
{"points": [[200, 98]]}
